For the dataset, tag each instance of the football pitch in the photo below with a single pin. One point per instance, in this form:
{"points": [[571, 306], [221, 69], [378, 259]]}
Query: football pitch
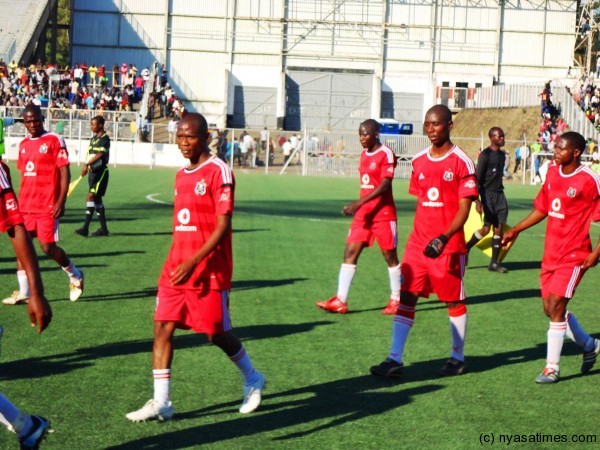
{"points": [[93, 364]]}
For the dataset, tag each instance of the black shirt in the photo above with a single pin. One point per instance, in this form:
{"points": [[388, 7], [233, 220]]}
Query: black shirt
{"points": [[490, 168]]}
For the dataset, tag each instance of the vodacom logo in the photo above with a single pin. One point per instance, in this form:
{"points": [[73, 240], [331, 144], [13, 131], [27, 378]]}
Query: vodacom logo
{"points": [[184, 216], [29, 169], [433, 194], [556, 204]]}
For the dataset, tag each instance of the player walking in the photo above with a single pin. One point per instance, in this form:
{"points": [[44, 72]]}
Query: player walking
{"points": [[490, 169], [570, 199], [29, 429], [443, 180], [374, 219], [97, 168], [44, 165], [193, 290]]}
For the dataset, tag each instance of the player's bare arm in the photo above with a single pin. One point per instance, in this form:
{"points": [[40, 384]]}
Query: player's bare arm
{"points": [[592, 258], [65, 178], [350, 210], [534, 217], [185, 269], [38, 307]]}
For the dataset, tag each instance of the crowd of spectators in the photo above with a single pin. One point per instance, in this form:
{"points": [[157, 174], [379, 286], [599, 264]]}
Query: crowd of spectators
{"points": [[77, 87]]}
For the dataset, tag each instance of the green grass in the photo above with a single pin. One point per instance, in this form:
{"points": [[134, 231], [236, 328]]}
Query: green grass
{"points": [[93, 364]]}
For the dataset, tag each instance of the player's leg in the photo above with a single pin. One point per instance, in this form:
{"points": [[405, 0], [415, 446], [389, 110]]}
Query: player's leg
{"points": [[498, 215], [76, 276], [210, 315], [457, 313], [387, 238], [23, 294], [447, 273], [590, 346], [555, 308], [89, 211], [99, 205], [339, 303], [392, 366], [477, 236], [160, 406], [254, 381], [29, 429]]}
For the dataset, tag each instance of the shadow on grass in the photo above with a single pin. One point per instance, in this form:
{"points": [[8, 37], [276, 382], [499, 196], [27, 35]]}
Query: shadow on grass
{"points": [[432, 304], [321, 406], [244, 285], [85, 357], [513, 266]]}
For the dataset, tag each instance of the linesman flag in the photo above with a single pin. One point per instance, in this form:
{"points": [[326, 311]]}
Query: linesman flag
{"points": [[73, 185]]}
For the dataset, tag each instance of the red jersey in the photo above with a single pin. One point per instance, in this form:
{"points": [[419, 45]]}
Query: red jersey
{"points": [[9, 208], [373, 169], [39, 162], [439, 184], [571, 202], [201, 194]]}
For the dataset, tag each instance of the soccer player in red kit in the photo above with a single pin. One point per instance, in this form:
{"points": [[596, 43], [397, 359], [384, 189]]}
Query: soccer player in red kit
{"points": [[45, 176], [193, 288], [30, 429], [570, 199], [443, 180], [374, 219]]}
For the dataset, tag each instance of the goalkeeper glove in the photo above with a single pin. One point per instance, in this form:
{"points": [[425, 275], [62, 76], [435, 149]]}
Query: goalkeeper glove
{"points": [[436, 246]]}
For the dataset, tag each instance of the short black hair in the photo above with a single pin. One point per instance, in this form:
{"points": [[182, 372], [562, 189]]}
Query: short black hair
{"points": [[576, 140], [34, 109], [371, 125], [442, 109], [99, 119], [199, 120]]}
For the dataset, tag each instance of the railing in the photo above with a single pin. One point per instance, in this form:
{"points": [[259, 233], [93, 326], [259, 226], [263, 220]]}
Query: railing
{"points": [[508, 95]]}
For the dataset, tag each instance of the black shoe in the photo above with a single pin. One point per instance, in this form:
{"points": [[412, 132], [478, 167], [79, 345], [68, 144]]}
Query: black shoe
{"points": [[82, 232], [453, 367], [100, 232], [497, 267], [388, 369]]}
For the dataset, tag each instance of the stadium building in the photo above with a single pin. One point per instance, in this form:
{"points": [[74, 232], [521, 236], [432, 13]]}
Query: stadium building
{"points": [[326, 64]]}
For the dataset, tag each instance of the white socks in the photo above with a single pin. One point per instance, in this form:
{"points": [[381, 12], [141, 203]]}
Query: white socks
{"points": [[162, 386], [23, 283], [394, 282], [556, 337], [347, 272]]}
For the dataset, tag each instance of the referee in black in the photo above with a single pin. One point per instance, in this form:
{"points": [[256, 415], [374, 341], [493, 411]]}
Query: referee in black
{"points": [[490, 169], [97, 168]]}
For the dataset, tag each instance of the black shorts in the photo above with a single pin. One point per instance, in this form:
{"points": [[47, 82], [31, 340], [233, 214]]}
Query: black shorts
{"points": [[98, 182], [495, 208]]}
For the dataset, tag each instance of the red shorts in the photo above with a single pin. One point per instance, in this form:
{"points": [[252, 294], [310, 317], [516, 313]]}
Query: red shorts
{"points": [[562, 280], [202, 311], [384, 232], [9, 212], [443, 275], [42, 225]]}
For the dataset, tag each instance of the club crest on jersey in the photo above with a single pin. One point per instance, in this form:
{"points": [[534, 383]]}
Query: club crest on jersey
{"points": [[200, 188], [571, 192], [448, 175], [43, 149]]}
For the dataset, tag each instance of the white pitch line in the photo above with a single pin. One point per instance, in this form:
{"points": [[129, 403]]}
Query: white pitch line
{"points": [[152, 199]]}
